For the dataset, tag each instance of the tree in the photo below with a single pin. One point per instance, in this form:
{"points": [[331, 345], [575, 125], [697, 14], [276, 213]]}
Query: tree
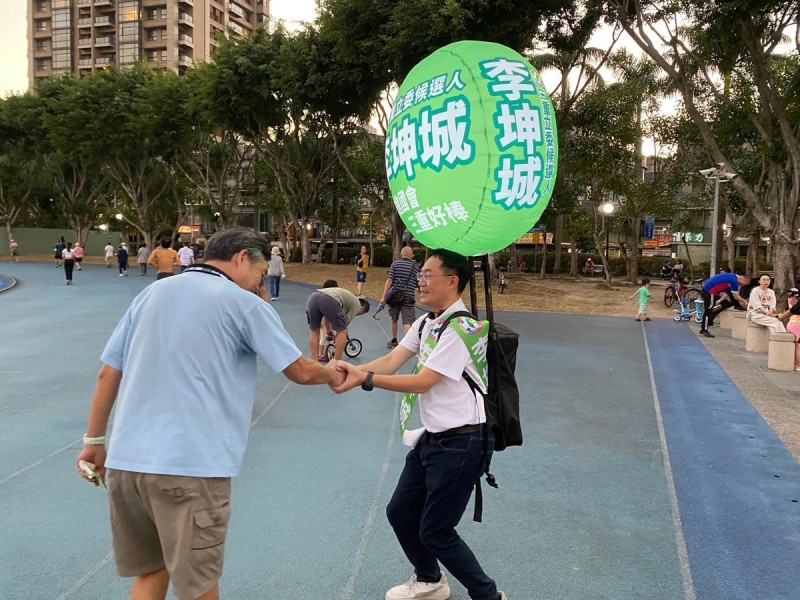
{"points": [[21, 170], [713, 47]]}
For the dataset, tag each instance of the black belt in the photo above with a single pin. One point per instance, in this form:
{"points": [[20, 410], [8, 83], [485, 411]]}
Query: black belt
{"points": [[463, 430]]}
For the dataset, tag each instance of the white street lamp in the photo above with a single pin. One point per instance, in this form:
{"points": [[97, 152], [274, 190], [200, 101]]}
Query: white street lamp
{"points": [[607, 208], [718, 174]]}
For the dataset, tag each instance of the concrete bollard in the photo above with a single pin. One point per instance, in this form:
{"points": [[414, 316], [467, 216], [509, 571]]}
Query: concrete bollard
{"points": [[781, 352], [757, 339], [739, 327], [726, 319]]}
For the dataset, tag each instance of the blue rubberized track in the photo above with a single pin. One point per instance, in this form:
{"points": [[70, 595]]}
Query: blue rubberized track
{"points": [[645, 474]]}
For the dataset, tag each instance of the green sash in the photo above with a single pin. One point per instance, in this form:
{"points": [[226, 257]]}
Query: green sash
{"points": [[474, 334]]}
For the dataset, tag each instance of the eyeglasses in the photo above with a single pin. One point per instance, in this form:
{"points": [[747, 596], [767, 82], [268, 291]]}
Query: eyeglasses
{"points": [[426, 277]]}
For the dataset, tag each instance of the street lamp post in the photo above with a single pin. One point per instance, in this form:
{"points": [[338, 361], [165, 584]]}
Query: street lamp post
{"points": [[607, 208], [718, 174]]}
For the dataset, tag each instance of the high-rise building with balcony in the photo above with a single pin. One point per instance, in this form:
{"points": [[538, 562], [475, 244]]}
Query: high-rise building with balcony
{"points": [[82, 36]]}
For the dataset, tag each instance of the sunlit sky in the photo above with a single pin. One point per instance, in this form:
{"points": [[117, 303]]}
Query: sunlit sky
{"points": [[14, 46]]}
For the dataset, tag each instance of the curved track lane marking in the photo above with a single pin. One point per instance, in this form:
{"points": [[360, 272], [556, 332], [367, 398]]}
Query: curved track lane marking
{"points": [[680, 540], [85, 579], [38, 462]]}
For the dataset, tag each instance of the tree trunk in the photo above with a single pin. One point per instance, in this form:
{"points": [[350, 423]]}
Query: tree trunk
{"points": [[305, 245], [573, 256], [730, 243], [785, 265], [688, 258], [634, 262], [557, 239], [398, 229], [599, 237], [543, 271]]}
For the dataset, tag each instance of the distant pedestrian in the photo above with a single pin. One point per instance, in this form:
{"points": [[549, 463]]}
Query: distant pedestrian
{"points": [[141, 257], [186, 256], [275, 273], [122, 260], [13, 248], [78, 254], [109, 252], [68, 257], [403, 273], [362, 264], [57, 251], [644, 298], [164, 259]]}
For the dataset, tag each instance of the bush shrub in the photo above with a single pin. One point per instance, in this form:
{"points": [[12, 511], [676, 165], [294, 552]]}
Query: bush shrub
{"points": [[382, 256]]}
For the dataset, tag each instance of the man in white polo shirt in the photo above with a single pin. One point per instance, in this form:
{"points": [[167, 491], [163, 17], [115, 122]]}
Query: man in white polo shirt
{"points": [[441, 471], [186, 256], [182, 417]]}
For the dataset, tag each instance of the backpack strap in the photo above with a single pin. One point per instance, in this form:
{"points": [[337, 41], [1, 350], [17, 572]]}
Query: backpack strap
{"points": [[477, 514]]}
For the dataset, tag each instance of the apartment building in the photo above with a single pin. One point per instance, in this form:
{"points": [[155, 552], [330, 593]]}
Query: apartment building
{"points": [[83, 36]]}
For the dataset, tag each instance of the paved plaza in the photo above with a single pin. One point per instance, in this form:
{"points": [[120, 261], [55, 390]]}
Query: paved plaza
{"points": [[645, 473]]}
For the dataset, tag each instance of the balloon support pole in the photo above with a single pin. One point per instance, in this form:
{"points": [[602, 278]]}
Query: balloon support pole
{"points": [[485, 268]]}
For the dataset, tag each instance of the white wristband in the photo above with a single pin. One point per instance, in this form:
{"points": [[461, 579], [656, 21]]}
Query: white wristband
{"points": [[94, 441]]}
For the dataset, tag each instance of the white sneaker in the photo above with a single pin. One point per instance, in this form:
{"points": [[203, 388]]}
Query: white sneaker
{"points": [[413, 589]]}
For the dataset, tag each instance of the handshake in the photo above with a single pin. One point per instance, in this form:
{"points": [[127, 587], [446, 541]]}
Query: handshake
{"points": [[347, 376]]}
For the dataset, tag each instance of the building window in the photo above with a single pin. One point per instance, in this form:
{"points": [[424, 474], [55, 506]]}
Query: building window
{"points": [[42, 64], [62, 59], [41, 25], [41, 45], [41, 5], [129, 11], [129, 32], [128, 54], [62, 39], [61, 19], [152, 55]]}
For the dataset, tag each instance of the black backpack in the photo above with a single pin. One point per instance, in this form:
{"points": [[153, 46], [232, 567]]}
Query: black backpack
{"points": [[501, 402]]}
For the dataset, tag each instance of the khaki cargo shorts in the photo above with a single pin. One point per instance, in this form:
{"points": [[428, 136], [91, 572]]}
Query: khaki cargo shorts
{"points": [[172, 522]]}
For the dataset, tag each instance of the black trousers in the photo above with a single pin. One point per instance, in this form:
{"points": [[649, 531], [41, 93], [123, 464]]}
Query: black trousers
{"points": [[69, 265]]}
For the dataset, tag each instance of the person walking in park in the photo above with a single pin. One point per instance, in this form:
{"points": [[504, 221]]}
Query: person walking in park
{"points": [[712, 288], [362, 265], [122, 259], [275, 273], [402, 272], [68, 256], [441, 470], [13, 248], [164, 259], [141, 258], [339, 306], [762, 304], [186, 256], [109, 253], [58, 251], [644, 298], [78, 254], [182, 419]]}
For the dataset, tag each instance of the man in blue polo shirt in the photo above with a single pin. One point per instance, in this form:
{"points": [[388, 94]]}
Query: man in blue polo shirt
{"points": [[187, 347], [714, 286]]}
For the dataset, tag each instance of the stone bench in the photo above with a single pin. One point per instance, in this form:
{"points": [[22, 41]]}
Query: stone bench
{"points": [[726, 319], [757, 338], [781, 352], [739, 327]]}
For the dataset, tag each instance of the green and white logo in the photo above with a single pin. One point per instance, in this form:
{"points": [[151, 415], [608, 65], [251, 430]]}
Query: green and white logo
{"points": [[471, 149]]}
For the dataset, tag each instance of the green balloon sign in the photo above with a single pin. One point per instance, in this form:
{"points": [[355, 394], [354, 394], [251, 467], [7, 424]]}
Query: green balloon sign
{"points": [[471, 148]]}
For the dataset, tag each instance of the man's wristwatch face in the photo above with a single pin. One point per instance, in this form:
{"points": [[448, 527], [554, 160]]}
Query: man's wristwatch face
{"points": [[367, 385]]}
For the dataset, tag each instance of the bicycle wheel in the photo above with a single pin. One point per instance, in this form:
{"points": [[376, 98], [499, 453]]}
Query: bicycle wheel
{"points": [[353, 348], [692, 294], [678, 316], [503, 288], [330, 351], [669, 297]]}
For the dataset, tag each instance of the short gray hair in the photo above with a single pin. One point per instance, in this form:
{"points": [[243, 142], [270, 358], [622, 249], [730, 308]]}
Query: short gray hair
{"points": [[223, 245]]}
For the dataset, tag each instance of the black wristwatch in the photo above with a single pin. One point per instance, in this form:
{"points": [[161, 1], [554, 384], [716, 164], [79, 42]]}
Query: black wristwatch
{"points": [[367, 385]]}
